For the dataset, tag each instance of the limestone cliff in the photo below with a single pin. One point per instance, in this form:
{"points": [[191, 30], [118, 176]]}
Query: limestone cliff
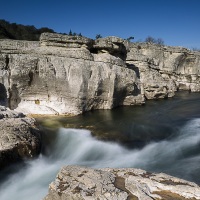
{"points": [[163, 70], [80, 183], [71, 74]]}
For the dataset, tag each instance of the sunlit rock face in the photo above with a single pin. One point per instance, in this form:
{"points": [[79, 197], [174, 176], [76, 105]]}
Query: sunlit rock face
{"points": [[74, 182], [67, 75], [164, 70], [63, 74]]}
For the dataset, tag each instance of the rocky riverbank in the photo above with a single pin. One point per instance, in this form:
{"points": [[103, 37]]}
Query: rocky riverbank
{"points": [[74, 182], [63, 74], [19, 137]]}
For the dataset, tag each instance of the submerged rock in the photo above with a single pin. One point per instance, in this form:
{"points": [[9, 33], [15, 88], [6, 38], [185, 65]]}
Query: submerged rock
{"points": [[74, 182], [19, 137]]}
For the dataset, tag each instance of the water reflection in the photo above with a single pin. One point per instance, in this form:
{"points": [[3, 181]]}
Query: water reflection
{"points": [[138, 125]]}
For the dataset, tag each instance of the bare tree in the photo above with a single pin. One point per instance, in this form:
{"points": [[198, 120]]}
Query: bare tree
{"points": [[195, 49], [150, 39], [160, 41]]}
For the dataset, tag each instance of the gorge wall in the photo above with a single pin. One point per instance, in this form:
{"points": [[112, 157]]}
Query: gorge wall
{"points": [[63, 74]]}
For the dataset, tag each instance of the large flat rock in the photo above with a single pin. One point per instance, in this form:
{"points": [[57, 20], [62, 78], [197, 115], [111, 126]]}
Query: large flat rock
{"points": [[81, 183]]}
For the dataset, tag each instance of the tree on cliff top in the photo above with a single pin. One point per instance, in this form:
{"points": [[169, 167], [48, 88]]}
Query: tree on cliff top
{"points": [[130, 38], [98, 36], [150, 39]]}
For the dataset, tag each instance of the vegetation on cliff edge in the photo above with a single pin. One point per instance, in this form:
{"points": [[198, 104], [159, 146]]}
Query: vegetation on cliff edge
{"points": [[21, 32]]}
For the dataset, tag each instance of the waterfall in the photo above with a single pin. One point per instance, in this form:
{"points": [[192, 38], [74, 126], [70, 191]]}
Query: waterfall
{"points": [[177, 155]]}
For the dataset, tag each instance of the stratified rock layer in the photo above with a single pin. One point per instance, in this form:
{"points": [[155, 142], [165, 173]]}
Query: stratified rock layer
{"points": [[80, 183], [19, 137], [163, 70], [61, 75], [64, 74]]}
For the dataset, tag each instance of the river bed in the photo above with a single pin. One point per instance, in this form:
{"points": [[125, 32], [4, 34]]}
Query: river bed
{"points": [[161, 136]]}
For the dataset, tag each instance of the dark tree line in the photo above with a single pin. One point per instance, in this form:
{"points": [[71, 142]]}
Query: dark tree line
{"points": [[21, 32], [74, 33]]}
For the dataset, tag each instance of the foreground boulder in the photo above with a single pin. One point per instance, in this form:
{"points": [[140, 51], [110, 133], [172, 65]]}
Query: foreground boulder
{"points": [[19, 137], [81, 183]]}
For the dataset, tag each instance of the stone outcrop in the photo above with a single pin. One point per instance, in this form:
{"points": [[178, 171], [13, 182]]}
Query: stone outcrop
{"points": [[163, 70], [58, 40], [19, 137], [64, 74], [112, 45], [73, 182]]}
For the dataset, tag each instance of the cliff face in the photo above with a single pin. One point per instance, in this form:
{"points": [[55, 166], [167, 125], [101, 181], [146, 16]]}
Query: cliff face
{"points": [[164, 70], [70, 74]]}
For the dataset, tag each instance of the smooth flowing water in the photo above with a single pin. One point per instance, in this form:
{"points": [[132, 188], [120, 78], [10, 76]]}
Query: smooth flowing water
{"points": [[162, 136]]}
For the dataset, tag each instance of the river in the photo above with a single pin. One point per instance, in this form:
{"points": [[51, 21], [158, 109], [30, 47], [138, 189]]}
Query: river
{"points": [[161, 136]]}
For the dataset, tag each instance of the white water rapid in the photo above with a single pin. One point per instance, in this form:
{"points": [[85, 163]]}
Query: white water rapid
{"points": [[177, 156]]}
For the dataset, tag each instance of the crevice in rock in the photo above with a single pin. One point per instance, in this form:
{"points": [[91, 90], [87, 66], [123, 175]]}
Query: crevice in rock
{"points": [[136, 90], [168, 195], [14, 97], [7, 62], [3, 95], [30, 74], [171, 182], [94, 51], [37, 67], [120, 184], [134, 68]]}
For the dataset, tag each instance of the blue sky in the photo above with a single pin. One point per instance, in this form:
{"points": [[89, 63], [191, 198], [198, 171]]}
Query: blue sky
{"points": [[177, 22]]}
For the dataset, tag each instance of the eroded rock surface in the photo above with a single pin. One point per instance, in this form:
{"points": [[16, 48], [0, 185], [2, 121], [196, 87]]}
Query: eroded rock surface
{"points": [[64, 74], [19, 137], [163, 70], [74, 182], [58, 40]]}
